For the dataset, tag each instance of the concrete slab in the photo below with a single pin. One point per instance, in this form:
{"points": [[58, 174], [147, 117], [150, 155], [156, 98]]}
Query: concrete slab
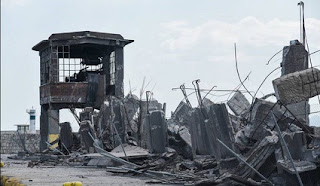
{"points": [[181, 112], [156, 126], [295, 58], [199, 137], [301, 166], [238, 103], [298, 86], [131, 151]]}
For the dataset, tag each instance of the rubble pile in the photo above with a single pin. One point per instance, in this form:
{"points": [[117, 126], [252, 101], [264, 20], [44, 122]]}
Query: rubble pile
{"points": [[238, 142], [247, 144]]}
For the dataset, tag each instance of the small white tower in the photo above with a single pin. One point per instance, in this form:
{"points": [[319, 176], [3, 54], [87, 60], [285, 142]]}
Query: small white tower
{"points": [[32, 113]]}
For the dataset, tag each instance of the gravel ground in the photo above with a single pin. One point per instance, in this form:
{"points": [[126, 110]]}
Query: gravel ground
{"points": [[59, 174]]}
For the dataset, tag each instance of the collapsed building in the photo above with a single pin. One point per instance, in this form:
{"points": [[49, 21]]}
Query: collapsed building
{"points": [[238, 142]]}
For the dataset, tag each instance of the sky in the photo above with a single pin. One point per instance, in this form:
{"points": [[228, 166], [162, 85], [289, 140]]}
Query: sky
{"points": [[176, 42]]}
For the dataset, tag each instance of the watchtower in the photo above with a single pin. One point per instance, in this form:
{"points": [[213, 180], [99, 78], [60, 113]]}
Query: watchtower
{"points": [[77, 70]]}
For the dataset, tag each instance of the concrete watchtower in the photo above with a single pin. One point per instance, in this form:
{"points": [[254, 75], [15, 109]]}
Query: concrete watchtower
{"points": [[77, 70]]}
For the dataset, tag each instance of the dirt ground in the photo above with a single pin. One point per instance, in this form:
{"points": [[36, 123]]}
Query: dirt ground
{"points": [[57, 175]]}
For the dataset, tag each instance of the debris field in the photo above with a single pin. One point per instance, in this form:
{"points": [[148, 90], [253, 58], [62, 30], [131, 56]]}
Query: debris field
{"points": [[239, 142]]}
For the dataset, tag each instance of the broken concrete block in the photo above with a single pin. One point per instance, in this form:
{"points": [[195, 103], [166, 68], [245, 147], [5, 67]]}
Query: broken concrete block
{"points": [[131, 103], [219, 127], [238, 104], [316, 131], [261, 112], [180, 112], [257, 156], [307, 171], [242, 137], [152, 105], [204, 162], [157, 132], [86, 114], [173, 126], [86, 140], [206, 102], [113, 120], [206, 126], [198, 131], [101, 162], [296, 143], [96, 159], [236, 123], [301, 166], [132, 152], [315, 143], [179, 139], [261, 118], [185, 135], [66, 136], [298, 86], [118, 119], [229, 163], [295, 58], [312, 155], [301, 110], [268, 168]]}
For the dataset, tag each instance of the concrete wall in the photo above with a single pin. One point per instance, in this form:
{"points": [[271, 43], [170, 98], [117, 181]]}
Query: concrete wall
{"points": [[11, 143]]}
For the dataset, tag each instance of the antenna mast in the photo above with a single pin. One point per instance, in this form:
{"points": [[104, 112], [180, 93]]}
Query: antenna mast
{"points": [[302, 28]]}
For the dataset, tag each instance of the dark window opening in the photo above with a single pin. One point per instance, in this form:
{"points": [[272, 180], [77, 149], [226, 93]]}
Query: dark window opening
{"points": [[75, 63], [44, 66]]}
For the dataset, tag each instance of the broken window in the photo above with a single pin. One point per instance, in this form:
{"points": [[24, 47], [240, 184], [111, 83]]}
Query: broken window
{"points": [[74, 67], [44, 66], [68, 67]]}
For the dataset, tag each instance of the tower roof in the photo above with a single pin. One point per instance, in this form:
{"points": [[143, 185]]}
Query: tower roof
{"points": [[83, 37]]}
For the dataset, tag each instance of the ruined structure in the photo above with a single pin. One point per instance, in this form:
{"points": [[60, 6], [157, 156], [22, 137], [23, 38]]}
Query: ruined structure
{"points": [[294, 59], [78, 70], [233, 143]]}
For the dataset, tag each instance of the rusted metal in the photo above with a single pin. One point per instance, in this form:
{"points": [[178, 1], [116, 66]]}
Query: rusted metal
{"points": [[63, 93], [183, 89]]}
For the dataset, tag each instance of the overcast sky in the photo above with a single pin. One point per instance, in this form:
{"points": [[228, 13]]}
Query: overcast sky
{"points": [[176, 42]]}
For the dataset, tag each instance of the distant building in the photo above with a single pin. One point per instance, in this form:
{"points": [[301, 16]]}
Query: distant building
{"points": [[22, 128]]}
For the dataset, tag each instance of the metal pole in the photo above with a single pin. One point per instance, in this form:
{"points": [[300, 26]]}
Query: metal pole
{"points": [[149, 121], [125, 154], [302, 29], [302, 125], [65, 148], [120, 143], [183, 89], [244, 161], [54, 149], [286, 149], [72, 110], [147, 174], [114, 127], [215, 90], [107, 154]]}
